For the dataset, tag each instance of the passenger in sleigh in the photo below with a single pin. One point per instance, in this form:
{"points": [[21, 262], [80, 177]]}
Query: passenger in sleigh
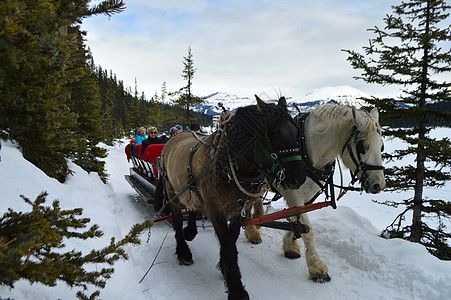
{"points": [[151, 139], [140, 136]]}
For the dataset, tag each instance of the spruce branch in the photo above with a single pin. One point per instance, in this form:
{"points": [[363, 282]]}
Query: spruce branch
{"points": [[28, 242]]}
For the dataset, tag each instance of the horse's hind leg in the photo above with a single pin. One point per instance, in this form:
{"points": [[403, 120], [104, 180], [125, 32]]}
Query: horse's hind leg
{"points": [[182, 250], [227, 236], [251, 232], [190, 231]]}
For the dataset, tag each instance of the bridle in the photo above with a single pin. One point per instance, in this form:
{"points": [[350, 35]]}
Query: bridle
{"points": [[278, 157], [360, 165]]}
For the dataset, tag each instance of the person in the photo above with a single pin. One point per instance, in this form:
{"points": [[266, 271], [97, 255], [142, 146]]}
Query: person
{"points": [[195, 127], [152, 139], [173, 131], [140, 136], [179, 128]]}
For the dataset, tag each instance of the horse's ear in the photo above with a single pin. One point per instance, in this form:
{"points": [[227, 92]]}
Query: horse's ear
{"points": [[374, 114], [359, 120], [260, 104], [282, 103]]}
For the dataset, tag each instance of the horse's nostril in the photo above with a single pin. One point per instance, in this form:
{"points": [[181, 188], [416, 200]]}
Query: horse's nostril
{"points": [[294, 182], [376, 188]]}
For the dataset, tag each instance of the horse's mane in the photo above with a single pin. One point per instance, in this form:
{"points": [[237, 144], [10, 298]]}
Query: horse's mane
{"points": [[331, 113], [250, 124]]}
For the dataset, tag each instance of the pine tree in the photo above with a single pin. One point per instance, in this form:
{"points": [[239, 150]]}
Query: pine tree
{"points": [[86, 104], [186, 98], [411, 52], [38, 42]]}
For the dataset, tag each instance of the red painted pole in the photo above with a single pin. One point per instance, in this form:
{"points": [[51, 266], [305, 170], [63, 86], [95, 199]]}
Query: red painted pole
{"points": [[168, 217], [286, 213]]}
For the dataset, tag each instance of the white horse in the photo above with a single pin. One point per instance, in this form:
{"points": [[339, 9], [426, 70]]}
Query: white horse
{"points": [[331, 130]]}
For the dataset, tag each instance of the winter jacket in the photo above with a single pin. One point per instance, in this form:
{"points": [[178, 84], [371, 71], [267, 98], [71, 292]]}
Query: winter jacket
{"points": [[151, 141], [139, 139]]}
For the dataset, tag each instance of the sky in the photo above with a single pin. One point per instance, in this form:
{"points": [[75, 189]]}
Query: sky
{"points": [[362, 265], [242, 47]]}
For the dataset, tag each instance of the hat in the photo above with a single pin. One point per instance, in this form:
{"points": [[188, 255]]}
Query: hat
{"points": [[178, 127], [195, 127], [173, 130]]}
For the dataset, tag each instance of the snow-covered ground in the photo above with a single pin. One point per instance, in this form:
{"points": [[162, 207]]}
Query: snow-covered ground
{"points": [[361, 264]]}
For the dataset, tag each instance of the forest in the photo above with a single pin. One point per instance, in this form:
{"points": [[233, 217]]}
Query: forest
{"points": [[56, 103]]}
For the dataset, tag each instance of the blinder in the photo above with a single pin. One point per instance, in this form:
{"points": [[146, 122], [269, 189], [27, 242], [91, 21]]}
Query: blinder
{"points": [[361, 166]]}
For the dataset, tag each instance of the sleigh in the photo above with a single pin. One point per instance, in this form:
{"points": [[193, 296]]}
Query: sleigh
{"points": [[144, 172]]}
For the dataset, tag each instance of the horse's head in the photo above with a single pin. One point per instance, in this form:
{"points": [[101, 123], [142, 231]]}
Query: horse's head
{"points": [[277, 149], [362, 152], [268, 134]]}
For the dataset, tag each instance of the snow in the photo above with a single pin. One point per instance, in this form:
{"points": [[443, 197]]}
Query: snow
{"points": [[361, 264], [343, 94]]}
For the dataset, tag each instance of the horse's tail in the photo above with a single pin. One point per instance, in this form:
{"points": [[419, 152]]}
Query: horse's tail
{"points": [[160, 202]]}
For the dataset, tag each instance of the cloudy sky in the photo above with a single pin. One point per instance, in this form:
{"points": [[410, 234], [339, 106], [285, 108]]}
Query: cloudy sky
{"points": [[242, 47]]}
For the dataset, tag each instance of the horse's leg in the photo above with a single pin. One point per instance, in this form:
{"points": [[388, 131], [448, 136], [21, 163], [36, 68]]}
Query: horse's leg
{"points": [[229, 254], [190, 231], [251, 232], [318, 271], [317, 268], [291, 246], [182, 250]]}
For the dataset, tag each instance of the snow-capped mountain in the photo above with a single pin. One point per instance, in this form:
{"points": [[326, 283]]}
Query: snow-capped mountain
{"points": [[231, 102], [346, 95]]}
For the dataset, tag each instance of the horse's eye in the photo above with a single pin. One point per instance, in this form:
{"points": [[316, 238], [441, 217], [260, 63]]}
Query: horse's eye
{"points": [[274, 135]]}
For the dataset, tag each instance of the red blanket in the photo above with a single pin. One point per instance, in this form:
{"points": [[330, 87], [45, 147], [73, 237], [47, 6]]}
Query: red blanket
{"points": [[151, 154]]}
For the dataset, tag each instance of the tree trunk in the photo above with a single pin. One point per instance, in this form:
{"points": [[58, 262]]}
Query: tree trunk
{"points": [[416, 231]]}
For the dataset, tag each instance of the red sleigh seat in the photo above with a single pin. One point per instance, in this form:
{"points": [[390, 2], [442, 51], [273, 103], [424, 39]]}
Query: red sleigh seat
{"points": [[151, 153]]}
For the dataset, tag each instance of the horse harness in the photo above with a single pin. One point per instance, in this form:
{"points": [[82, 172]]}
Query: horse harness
{"points": [[322, 177], [357, 159]]}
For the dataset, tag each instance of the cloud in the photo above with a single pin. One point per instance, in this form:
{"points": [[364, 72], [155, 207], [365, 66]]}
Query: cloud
{"points": [[242, 47]]}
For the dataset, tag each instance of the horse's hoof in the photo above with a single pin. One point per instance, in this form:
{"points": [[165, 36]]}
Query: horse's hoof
{"points": [[238, 295], [259, 241], [292, 255], [321, 278], [186, 262]]}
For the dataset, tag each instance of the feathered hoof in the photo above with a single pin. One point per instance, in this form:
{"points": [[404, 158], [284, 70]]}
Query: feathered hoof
{"points": [[321, 278], [292, 255], [186, 261], [184, 254], [238, 295]]}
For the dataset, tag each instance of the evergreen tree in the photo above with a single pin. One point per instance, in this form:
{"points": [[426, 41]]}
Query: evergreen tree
{"points": [[186, 98], [86, 104], [412, 52], [38, 40]]}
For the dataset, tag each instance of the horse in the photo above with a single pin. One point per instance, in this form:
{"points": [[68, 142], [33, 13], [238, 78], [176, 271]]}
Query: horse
{"points": [[222, 175], [328, 132]]}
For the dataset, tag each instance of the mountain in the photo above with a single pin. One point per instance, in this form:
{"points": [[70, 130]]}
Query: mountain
{"points": [[345, 94]]}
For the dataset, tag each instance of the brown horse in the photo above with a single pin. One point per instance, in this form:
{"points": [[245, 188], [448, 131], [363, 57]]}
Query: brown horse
{"points": [[224, 173]]}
